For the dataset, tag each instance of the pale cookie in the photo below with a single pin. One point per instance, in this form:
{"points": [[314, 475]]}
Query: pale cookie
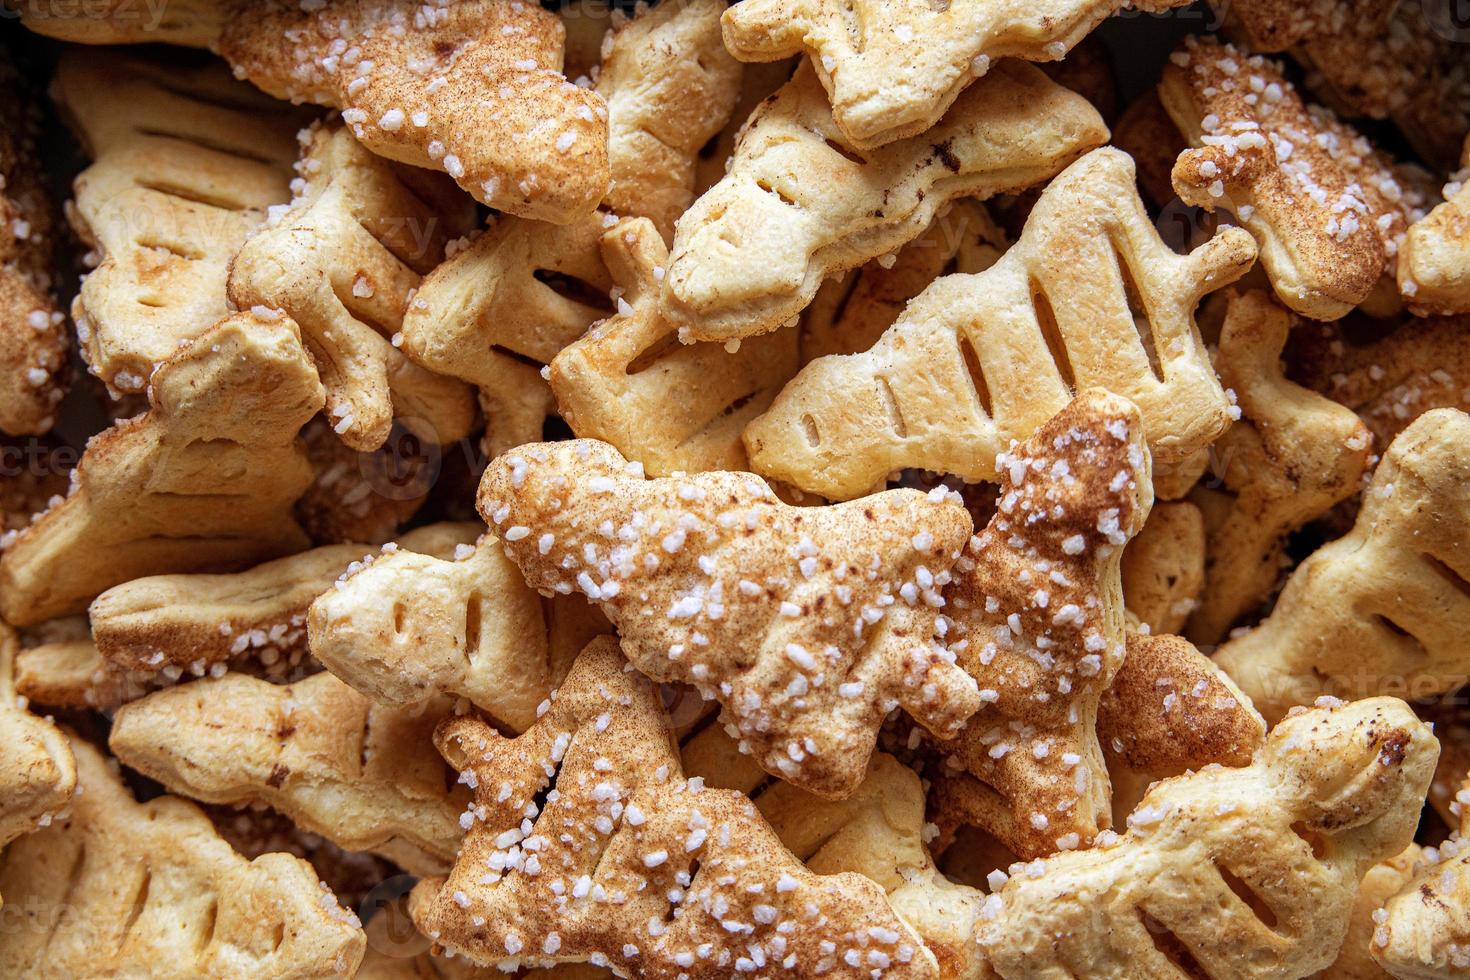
{"points": [[1383, 880], [459, 620], [1036, 617], [37, 772], [808, 624], [893, 67], [1088, 297], [472, 88], [70, 673], [672, 407], [1423, 931], [1246, 873], [362, 775], [670, 87], [204, 480], [1385, 606], [632, 866], [201, 620], [799, 205], [519, 293], [1327, 209], [208, 623], [507, 304], [121, 888], [1292, 456], [342, 262], [187, 162]]}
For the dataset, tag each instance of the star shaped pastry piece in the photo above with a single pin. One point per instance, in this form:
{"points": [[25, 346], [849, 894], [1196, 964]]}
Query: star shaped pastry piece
{"points": [[808, 624], [1248, 872], [473, 88], [1383, 606], [1036, 617], [586, 843], [892, 67]]}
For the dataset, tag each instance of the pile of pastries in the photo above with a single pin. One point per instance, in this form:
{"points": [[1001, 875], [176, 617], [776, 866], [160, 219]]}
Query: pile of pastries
{"points": [[811, 488]]}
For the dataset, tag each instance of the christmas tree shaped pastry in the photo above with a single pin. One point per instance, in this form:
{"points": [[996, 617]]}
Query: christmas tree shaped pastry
{"points": [[1434, 261], [342, 262], [671, 407], [192, 622], [474, 89], [1036, 617], [1229, 872], [879, 832], [808, 624], [892, 67], [119, 888], [204, 480], [362, 775], [587, 844], [37, 772], [1387, 603], [187, 162], [1089, 296], [1424, 929], [670, 86], [798, 204], [421, 621], [1327, 209], [1292, 456], [497, 311], [508, 303]]}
